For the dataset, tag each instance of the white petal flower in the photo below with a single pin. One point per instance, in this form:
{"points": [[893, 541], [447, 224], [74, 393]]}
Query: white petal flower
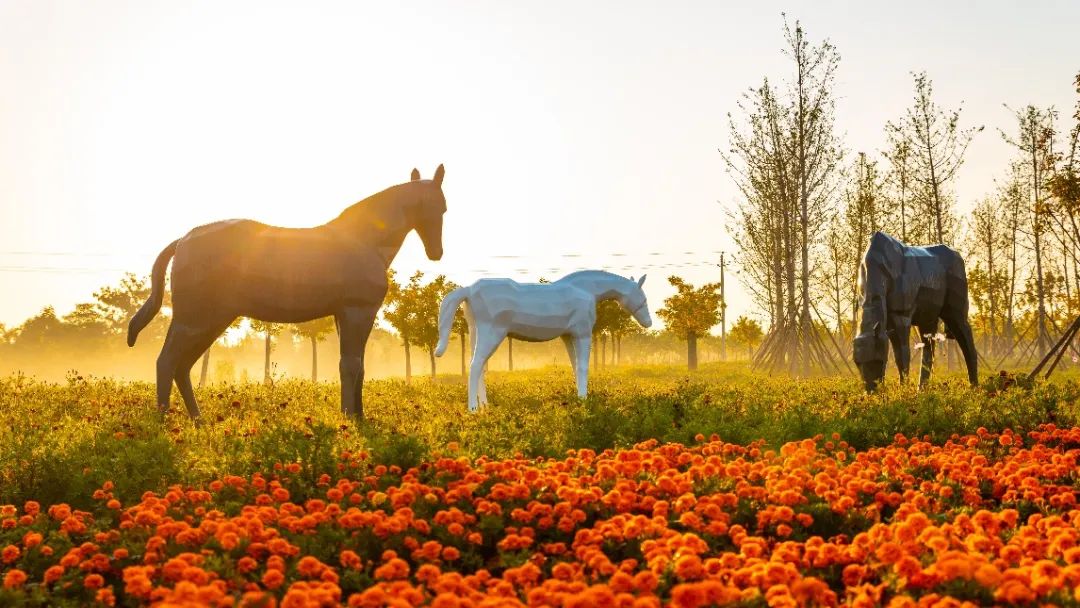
{"points": [[939, 337], [918, 345]]}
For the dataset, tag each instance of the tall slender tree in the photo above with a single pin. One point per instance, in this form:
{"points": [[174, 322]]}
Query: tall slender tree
{"points": [[315, 331], [269, 331], [400, 313], [987, 268], [938, 145], [785, 163], [1034, 140]]}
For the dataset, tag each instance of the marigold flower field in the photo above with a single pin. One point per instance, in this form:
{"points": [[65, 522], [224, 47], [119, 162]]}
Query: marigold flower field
{"points": [[438, 512]]}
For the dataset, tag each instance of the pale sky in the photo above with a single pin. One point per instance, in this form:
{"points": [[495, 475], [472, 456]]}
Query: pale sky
{"points": [[571, 131]]}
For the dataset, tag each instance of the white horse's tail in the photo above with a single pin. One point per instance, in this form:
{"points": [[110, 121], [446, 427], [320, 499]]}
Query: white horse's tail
{"points": [[447, 310]]}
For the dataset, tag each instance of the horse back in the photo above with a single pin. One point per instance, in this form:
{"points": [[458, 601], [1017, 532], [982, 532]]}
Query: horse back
{"points": [[519, 305], [274, 273]]}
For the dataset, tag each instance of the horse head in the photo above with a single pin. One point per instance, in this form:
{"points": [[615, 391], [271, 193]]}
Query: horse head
{"points": [[427, 209], [870, 351], [634, 301]]}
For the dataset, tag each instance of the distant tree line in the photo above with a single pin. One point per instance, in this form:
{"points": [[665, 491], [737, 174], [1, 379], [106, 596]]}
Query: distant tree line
{"points": [[94, 331]]}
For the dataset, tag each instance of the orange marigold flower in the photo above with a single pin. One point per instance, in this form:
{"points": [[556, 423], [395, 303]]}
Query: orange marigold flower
{"points": [[14, 579], [889, 553], [646, 581], [273, 579], [853, 574], [396, 568], [31, 539], [53, 574], [349, 559], [93, 581], [688, 595], [310, 567], [10, 554], [105, 597], [446, 600]]}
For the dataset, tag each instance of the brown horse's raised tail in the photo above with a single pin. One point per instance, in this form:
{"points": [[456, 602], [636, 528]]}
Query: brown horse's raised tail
{"points": [[157, 294]]}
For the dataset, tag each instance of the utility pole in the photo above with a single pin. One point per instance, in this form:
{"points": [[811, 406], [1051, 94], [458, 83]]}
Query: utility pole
{"points": [[723, 312]]}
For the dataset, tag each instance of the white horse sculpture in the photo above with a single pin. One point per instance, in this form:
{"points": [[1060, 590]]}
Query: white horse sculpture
{"points": [[537, 312]]}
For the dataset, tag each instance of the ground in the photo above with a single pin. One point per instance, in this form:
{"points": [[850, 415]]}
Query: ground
{"points": [[718, 487]]}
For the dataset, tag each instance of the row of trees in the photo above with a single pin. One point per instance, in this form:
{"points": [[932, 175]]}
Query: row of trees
{"points": [[413, 311], [95, 329], [807, 210]]}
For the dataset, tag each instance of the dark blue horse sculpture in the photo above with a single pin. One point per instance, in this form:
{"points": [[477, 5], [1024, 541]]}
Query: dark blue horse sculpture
{"points": [[904, 286]]}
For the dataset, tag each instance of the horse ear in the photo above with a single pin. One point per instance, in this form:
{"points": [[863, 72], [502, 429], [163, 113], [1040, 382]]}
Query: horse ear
{"points": [[415, 175], [640, 281], [439, 173]]}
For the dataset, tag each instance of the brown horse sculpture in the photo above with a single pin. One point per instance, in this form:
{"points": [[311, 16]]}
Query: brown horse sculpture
{"points": [[242, 268]]}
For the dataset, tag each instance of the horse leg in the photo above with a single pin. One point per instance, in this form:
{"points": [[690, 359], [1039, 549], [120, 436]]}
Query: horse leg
{"points": [[900, 338], [197, 344], [961, 330], [187, 342], [568, 342], [926, 336], [166, 368], [487, 340], [582, 348], [354, 325]]}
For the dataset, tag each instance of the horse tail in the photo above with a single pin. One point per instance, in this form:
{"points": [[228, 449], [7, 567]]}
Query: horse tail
{"points": [[157, 294], [447, 310]]}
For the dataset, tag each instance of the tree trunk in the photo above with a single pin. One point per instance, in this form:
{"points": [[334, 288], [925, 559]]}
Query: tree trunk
{"points": [[603, 350], [1043, 336], [266, 360], [205, 367], [691, 351], [314, 359], [510, 353], [462, 354], [431, 356], [408, 363]]}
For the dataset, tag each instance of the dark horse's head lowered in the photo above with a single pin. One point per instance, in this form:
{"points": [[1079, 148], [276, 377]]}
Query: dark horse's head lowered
{"points": [[870, 350]]}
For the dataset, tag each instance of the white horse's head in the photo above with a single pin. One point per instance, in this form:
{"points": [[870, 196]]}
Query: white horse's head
{"points": [[634, 301]]}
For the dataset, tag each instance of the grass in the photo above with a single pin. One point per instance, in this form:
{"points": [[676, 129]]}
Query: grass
{"points": [[59, 442]]}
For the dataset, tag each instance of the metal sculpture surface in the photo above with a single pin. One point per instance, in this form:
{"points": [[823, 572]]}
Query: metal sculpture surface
{"points": [[537, 312], [904, 286], [242, 268]]}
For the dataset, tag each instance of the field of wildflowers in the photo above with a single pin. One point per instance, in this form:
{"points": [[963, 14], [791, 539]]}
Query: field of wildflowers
{"points": [[721, 488]]}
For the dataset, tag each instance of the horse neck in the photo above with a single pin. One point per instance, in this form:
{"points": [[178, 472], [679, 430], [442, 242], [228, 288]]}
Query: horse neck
{"points": [[602, 285], [379, 221], [874, 297]]}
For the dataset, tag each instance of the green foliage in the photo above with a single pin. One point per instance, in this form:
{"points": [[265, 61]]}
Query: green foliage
{"points": [[691, 311], [61, 441], [746, 332]]}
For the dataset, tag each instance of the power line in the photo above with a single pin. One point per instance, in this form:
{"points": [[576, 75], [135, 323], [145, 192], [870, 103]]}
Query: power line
{"points": [[624, 265]]}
